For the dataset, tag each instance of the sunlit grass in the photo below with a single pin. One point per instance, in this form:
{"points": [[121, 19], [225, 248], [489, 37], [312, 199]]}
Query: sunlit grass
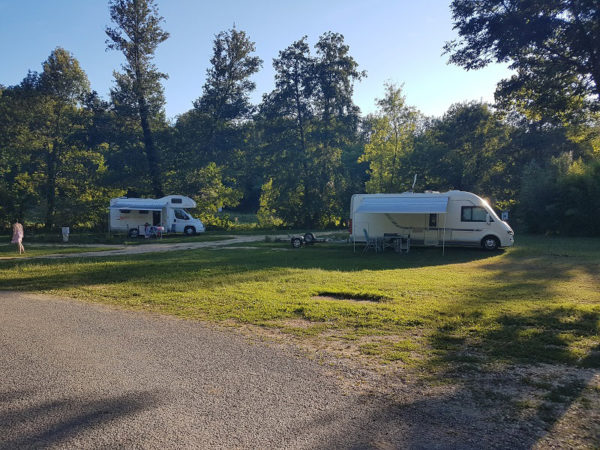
{"points": [[537, 302]]}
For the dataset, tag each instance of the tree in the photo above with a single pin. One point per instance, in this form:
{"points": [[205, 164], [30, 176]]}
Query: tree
{"points": [[309, 123], [138, 91], [214, 137], [392, 139], [225, 101], [228, 86], [551, 44], [50, 160]]}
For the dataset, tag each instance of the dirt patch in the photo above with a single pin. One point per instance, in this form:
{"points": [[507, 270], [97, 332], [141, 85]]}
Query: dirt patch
{"points": [[349, 297]]}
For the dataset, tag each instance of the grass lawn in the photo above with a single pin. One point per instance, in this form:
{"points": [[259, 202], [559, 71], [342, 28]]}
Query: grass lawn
{"points": [[536, 302], [10, 250], [515, 333]]}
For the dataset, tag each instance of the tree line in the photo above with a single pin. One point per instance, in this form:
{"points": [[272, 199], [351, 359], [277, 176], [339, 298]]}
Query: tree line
{"points": [[298, 156]]}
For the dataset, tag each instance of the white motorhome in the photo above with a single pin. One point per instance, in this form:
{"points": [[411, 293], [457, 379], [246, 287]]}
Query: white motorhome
{"points": [[130, 215], [431, 219]]}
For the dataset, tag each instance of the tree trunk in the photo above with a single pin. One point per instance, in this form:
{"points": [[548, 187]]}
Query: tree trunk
{"points": [[151, 153], [50, 188]]}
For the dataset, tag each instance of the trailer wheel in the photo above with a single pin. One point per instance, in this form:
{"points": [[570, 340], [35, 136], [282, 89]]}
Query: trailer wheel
{"points": [[189, 231], [490, 243], [134, 232], [309, 238], [296, 242]]}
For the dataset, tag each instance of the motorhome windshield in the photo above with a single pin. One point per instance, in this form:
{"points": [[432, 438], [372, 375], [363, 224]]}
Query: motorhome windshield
{"points": [[181, 214]]}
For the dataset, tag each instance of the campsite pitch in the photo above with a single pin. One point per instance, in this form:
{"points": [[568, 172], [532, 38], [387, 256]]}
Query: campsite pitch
{"points": [[516, 331]]}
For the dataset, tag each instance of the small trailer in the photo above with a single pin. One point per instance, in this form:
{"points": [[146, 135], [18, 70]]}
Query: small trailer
{"points": [[134, 215], [454, 218], [306, 239]]}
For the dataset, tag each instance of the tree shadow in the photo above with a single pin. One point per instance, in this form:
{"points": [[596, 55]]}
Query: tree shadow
{"points": [[444, 421], [517, 345], [221, 266], [54, 422]]}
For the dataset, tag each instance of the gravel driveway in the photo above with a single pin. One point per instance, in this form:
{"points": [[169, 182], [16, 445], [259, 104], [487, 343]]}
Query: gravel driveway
{"points": [[76, 375], [145, 248]]}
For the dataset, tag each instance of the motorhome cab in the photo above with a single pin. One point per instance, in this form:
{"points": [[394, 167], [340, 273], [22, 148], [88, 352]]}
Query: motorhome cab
{"points": [[431, 219], [130, 215]]}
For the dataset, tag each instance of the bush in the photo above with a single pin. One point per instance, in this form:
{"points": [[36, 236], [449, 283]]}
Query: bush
{"points": [[561, 198]]}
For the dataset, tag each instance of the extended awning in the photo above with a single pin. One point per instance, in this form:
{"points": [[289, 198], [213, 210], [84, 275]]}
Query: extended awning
{"points": [[137, 207], [403, 205]]}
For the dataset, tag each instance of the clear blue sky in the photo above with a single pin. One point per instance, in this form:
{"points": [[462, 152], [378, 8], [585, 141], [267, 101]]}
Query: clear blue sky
{"points": [[395, 40]]}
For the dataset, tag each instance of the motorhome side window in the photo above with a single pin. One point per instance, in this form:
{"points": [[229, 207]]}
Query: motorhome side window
{"points": [[432, 220], [176, 200], [473, 214], [180, 214]]}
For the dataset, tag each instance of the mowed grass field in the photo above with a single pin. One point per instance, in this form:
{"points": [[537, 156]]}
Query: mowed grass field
{"points": [[538, 302], [11, 251]]}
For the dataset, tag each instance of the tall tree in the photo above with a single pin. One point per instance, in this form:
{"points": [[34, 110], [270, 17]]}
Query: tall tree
{"points": [[63, 86], [137, 34], [225, 99], [392, 139], [310, 123], [551, 44]]}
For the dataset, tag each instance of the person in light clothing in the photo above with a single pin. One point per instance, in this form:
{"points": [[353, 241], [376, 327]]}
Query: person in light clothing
{"points": [[17, 237]]}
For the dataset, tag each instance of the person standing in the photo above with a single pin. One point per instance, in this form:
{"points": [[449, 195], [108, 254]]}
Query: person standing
{"points": [[17, 237]]}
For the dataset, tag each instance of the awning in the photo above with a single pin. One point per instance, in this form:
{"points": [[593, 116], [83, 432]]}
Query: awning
{"points": [[403, 205], [137, 207]]}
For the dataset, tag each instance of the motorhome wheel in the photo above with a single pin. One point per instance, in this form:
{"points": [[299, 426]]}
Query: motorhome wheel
{"points": [[133, 233], [189, 231], [490, 243], [296, 242]]}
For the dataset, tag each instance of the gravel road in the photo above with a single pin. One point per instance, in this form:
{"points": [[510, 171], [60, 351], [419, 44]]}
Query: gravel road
{"points": [[145, 248], [78, 375]]}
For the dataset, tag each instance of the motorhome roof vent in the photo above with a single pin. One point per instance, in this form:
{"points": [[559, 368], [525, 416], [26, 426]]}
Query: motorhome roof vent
{"points": [[432, 192]]}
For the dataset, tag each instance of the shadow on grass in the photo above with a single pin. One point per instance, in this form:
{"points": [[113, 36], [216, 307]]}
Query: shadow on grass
{"points": [[525, 339], [216, 267]]}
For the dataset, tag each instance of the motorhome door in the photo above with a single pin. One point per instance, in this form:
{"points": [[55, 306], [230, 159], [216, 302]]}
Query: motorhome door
{"points": [[181, 220]]}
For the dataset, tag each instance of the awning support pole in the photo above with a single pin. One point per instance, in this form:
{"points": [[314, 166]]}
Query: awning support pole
{"points": [[444, 237]]}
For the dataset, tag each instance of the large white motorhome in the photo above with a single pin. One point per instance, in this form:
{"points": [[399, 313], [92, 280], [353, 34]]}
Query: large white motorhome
{"points": [[455, 218], [130, 215]]}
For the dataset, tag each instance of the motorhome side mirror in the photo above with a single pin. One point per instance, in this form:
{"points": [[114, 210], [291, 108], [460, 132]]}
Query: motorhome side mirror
{"points": [[488, 219]]}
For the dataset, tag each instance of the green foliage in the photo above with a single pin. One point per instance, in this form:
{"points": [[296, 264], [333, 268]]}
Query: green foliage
{"points": [[267, 216], [308, 123], [298, 157], [138, 92], [561, 197], [211, 190], [552, 46], [49, 162], [392, 140]]}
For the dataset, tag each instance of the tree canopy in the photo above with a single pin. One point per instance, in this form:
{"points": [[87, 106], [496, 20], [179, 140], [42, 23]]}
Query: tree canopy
{"points": [[552, 45]]}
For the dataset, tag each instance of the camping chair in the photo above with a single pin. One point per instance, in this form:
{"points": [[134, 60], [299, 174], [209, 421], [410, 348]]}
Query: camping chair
{"points": [[370, 243]]}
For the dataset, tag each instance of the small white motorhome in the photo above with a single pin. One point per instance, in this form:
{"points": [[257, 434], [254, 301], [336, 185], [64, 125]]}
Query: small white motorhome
{"points": [[130, 215], [455, 218]]}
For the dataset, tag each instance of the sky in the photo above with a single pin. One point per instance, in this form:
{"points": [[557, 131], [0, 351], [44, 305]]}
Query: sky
{"points": [[397, 41]]}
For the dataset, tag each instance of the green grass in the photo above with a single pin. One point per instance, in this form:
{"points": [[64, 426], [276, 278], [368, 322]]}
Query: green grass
{"points": [[10, 250], [115, 239], [538, 302]]}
